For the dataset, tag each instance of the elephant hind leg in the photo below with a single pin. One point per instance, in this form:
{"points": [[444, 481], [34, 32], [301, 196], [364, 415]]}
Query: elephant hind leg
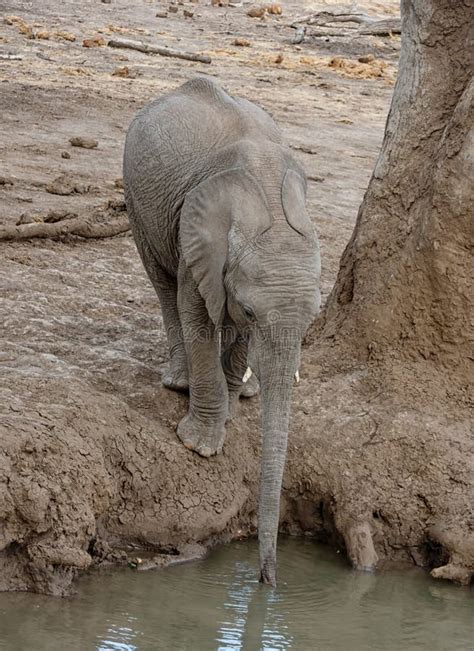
{"points": [[234, 363], [175, 376], [250, 388]]}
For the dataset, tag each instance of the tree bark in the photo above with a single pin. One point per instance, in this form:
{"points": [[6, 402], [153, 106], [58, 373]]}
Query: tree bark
{"points": [[394, 342], [403, 283]]}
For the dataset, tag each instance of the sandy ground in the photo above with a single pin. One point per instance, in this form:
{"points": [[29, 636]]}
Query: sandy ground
{"points": [[90, 458], [96, 293]]}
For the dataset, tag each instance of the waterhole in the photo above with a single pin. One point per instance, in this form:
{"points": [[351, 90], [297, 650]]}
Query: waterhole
{"points": [[217, 604]]}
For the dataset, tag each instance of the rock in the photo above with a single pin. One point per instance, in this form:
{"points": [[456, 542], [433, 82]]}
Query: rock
{"points": [[95, 41], [366, 58], [65, 36], [173, 9], [274, 9], [123, 71], [84, 143], [64, 185], [5, 181], [61, 185], [279, 58], [117, 205], [258, 11], [300, 33], [453, 572], [161, 14], [65, 154], [26, 30], [241, 42], [188, 13]]}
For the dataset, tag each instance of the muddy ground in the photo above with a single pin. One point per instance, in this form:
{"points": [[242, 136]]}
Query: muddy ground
{"points": [[90, 465]]}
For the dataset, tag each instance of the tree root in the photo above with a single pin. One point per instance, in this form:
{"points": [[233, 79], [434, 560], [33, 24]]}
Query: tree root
{"points": [[360, 547], [458, 568]]}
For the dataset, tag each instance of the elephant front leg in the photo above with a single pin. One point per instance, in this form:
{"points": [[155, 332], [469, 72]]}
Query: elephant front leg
{"points": [[203, 428]]}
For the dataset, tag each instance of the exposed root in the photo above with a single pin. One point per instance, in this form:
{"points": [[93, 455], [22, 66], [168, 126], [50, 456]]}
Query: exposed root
{"points": [[360, 547], [460, 551]]}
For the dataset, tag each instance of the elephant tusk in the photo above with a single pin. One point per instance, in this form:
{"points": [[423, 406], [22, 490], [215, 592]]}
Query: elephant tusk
{"points": [[247, 374]]}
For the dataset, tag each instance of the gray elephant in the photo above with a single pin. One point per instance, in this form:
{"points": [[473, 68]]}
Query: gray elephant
{"points": [[217, 207]]}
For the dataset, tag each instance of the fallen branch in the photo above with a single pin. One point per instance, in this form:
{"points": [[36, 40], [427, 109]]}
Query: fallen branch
{"points": [[321, 32], [385, 27], [83, 227], [369, 25], [154, 49]]}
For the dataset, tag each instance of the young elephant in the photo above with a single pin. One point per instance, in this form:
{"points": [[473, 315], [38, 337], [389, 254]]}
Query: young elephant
{"points": [[217, 207]]}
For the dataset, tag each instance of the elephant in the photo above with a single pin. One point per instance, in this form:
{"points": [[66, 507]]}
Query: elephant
{"points": [[216, 203]]}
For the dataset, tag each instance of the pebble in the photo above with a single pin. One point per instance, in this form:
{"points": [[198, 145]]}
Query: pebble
{"points": [[84, 143]]}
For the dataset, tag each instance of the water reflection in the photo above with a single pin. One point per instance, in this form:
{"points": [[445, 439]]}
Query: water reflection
{"points": [[252, 615], [218, 605]]}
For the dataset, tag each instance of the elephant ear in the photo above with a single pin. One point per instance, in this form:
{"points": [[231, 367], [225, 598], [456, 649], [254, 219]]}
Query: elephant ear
{"points": [[293, 198], [229, 199]]}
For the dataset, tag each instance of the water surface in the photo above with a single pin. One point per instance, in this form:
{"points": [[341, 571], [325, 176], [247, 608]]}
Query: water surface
{"points": [[217, 604]]}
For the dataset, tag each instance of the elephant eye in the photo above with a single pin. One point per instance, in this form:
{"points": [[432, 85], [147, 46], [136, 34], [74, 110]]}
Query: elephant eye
{"points": [[249, 313]]}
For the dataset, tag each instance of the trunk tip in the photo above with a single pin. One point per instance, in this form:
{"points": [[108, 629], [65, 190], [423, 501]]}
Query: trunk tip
{"points": [[268, 574]]}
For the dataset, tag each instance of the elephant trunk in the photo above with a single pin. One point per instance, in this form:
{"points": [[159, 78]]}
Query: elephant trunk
{"points": [[278, 362]]}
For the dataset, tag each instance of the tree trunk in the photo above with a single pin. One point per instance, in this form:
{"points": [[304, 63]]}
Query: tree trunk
{"points": [[403, 284], [395, 341]]}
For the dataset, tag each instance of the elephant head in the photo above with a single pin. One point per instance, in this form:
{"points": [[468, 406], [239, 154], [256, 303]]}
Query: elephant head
{"points": [[253, 252]]}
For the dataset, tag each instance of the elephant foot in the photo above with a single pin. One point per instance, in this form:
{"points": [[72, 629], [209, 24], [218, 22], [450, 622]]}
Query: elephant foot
{"points": [[247, 390], [250, 388], [206, 439], [175, 377]]}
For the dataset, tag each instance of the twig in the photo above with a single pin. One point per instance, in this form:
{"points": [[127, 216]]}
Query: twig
{"points": [[11, 57], [44, 56], [80, 226], [154, 49]]}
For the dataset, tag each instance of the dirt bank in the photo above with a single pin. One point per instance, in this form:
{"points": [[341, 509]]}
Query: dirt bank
{"points": [[89, 461]]}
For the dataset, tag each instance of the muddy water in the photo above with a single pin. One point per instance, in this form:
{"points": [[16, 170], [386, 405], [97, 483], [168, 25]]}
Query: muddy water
{"points": [[217, 604]]}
